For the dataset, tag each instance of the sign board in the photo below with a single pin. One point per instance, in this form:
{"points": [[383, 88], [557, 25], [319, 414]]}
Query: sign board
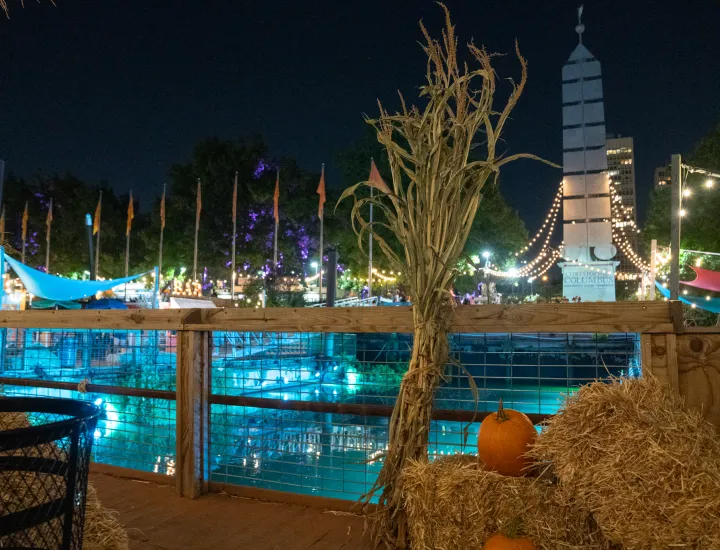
{"points": [[593, 283]]}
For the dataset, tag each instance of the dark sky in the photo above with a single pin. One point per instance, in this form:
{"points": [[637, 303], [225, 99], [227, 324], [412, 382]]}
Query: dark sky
{"points": [[122, 89]]}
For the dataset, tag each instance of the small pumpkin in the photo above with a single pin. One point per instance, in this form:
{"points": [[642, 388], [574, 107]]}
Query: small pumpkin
{"points": [[501, 542], [503, 440]]}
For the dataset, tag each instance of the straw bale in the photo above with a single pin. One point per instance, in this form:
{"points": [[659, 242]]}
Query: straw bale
{"points": [[20, 490], [645, 465], [454, 504]]}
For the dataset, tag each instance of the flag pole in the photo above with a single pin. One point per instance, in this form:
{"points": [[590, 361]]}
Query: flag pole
{"points": [[97, 239], [24, 231], [276, 214], [370, 244], [48, 223], [321, 192], [197, 228], [233, 275], [162, 232], [128, 228]]}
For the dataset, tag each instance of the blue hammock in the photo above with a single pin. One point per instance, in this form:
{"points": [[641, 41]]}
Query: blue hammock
{"points": [[712, 305], [51, 287]]}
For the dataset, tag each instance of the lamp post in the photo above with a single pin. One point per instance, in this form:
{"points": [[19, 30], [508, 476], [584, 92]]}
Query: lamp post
{"points": [[677, 212]]}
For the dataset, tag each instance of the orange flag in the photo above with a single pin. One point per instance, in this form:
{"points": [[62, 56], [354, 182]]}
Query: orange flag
{"points": [[49, 219], [162, 210], [2, 224], [24, 222], [376, 180], [130, 215], [96, 221], [198, 207], [276, 198], [234, 204], [321, 192]]}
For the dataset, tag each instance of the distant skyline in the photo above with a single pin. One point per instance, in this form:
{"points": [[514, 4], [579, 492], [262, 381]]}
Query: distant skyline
{"points": [[122, 90]]}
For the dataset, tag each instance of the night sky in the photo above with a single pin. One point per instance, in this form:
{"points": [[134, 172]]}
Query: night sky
{"points": [[122, 89]]}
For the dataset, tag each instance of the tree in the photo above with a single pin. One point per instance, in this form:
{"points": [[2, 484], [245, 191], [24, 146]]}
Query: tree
{"points": [[699, 226], [435, 192]]}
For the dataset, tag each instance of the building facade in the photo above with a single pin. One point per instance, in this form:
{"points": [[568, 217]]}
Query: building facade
{"points": [[621, 170], [662, 176]]}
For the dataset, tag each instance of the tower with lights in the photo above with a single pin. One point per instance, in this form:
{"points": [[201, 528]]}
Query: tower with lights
{"points": [[589, 269]]}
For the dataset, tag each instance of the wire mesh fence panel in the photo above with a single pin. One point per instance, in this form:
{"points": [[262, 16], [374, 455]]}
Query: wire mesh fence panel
{"points": [[128, 358], [339, 455], [531, 372], [132, 432]]}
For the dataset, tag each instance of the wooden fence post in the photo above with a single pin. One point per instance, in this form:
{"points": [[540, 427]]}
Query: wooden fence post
{"points": [[194, 357]]}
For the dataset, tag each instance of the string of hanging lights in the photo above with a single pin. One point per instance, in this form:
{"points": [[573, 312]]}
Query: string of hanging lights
{"points": [[548, 224]]}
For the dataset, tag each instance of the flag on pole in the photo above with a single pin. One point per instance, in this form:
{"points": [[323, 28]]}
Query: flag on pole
{"points": [[96, 221], [276, 198], [25, 217], [234, 199], [49, 219], [321, 192], [375, 179], [130, 215], [198, 208], [162, 210], [2, 224]]}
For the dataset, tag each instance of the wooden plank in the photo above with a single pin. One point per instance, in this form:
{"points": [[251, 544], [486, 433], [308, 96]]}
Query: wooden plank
{"points": [[271, 495], [194, 351], [350, 408], [129, 473], [148, 319], [672, 362], [93, 388], [584, 317], [646, 354], [698, 360]]}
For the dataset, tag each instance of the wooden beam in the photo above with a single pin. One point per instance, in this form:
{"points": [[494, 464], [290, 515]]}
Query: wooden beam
{"points": [[646, 354], [583, 317], [131, 319], [350, 408], [90, 388], [192, 413], [647, 317]]}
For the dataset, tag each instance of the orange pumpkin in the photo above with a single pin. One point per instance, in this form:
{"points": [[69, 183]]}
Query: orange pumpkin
{"points": [[501, 542], [503, 440]]}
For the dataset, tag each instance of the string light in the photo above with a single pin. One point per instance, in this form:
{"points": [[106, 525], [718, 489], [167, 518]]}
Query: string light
{"points": [[548, 224]]}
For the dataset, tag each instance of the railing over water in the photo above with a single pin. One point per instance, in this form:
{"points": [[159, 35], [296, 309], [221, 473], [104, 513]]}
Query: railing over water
{"points": [[299, 400]]}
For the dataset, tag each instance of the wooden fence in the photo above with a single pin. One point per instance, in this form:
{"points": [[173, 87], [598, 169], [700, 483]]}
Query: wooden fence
{"points": [[688, 360]]}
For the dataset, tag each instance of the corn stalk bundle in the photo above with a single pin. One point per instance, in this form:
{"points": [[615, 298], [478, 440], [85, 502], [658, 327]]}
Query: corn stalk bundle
{"points": [[439, 168]]}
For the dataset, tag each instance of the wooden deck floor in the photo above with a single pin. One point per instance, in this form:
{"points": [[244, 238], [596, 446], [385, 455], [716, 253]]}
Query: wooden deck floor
{"points": [[157, 519]]}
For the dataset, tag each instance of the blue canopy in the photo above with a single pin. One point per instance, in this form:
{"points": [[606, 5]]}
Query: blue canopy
{"points": [[712, 305], [51, 287], [106, 303]]}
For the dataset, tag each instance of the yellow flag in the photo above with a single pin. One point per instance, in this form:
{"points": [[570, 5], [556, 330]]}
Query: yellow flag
{"points": [[96, 221], [321, 192], [24, 222], [130, 214], [162, 210]]}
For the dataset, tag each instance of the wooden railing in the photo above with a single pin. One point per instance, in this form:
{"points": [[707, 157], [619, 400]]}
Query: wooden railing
{"points": [[688, 360]]}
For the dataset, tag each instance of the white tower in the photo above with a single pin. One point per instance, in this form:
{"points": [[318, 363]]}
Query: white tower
{"points": [[587, 217]]}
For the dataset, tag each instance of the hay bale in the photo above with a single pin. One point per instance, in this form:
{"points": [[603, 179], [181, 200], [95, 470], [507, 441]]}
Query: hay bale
{"points": [[646, 466], [453, 504], [20, 490]]}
